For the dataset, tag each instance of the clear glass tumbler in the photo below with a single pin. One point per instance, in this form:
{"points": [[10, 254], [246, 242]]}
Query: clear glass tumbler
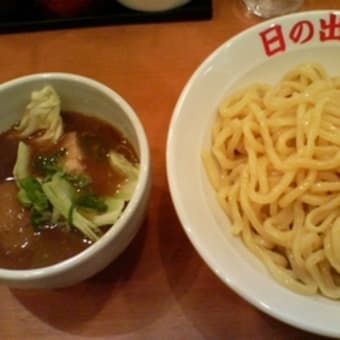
{"points": [[272, 8]]}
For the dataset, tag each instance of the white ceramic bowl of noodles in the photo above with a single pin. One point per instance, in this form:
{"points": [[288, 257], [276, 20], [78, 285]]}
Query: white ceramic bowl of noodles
{"points": [[244, 59], [81, 94]]}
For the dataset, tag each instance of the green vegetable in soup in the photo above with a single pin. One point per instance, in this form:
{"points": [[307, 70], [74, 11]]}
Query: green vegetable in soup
{"points": [[32, 195], [130, 170], [91, 201], [42, 115], [61, 195], [49, 164], [78, 181], [22, 164], [115, 207]]}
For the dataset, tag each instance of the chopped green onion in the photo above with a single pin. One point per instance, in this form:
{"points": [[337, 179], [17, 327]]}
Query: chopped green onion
{"points": [[49, 164], [32, 195], [91, 201], [77, 181]]}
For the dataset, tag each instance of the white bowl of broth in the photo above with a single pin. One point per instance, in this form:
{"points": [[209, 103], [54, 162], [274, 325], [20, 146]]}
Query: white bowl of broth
{"points": [[57, 254], [233, 138]]}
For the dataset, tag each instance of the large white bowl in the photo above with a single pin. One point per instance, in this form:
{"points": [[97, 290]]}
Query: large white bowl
{"points": [[240, 61], [88, 96]]}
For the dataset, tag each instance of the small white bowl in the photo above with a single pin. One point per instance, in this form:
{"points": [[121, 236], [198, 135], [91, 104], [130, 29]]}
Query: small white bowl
{"points": [[264, 52], [87, 96]]}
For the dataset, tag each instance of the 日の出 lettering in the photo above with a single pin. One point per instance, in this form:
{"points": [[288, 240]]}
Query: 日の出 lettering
{"points": [[275, 40]]}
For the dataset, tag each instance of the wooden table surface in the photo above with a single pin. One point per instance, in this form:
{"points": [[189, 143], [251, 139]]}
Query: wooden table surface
{"points": [[159, 288]]}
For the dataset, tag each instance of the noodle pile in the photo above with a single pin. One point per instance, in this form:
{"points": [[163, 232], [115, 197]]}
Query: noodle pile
{"points": [[275, 165]]}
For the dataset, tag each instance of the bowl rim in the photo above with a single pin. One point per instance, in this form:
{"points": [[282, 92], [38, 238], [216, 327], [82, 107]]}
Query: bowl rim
{"points": [[175, 191], [24, 275], [147, 7]]}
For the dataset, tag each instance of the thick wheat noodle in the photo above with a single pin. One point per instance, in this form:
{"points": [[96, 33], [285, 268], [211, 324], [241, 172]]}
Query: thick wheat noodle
{"points": [[274, 162]]}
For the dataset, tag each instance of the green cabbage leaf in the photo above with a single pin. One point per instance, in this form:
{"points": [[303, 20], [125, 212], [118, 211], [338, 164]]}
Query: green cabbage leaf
{"points": [[42, 114], [129, 170], [61, 194], [22, 164]]}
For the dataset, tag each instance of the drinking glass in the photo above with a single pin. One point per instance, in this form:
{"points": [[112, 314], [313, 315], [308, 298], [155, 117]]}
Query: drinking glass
{"points": [[272, 8]]}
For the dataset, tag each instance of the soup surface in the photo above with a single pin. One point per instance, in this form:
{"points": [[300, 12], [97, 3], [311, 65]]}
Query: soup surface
{"points": [[21, 245]]}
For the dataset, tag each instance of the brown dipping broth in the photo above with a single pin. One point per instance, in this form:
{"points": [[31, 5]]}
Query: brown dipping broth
{"points": [[20, 246]]}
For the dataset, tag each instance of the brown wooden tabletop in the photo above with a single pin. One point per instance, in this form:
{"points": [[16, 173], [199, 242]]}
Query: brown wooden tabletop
{"points": [[159, 288]]}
